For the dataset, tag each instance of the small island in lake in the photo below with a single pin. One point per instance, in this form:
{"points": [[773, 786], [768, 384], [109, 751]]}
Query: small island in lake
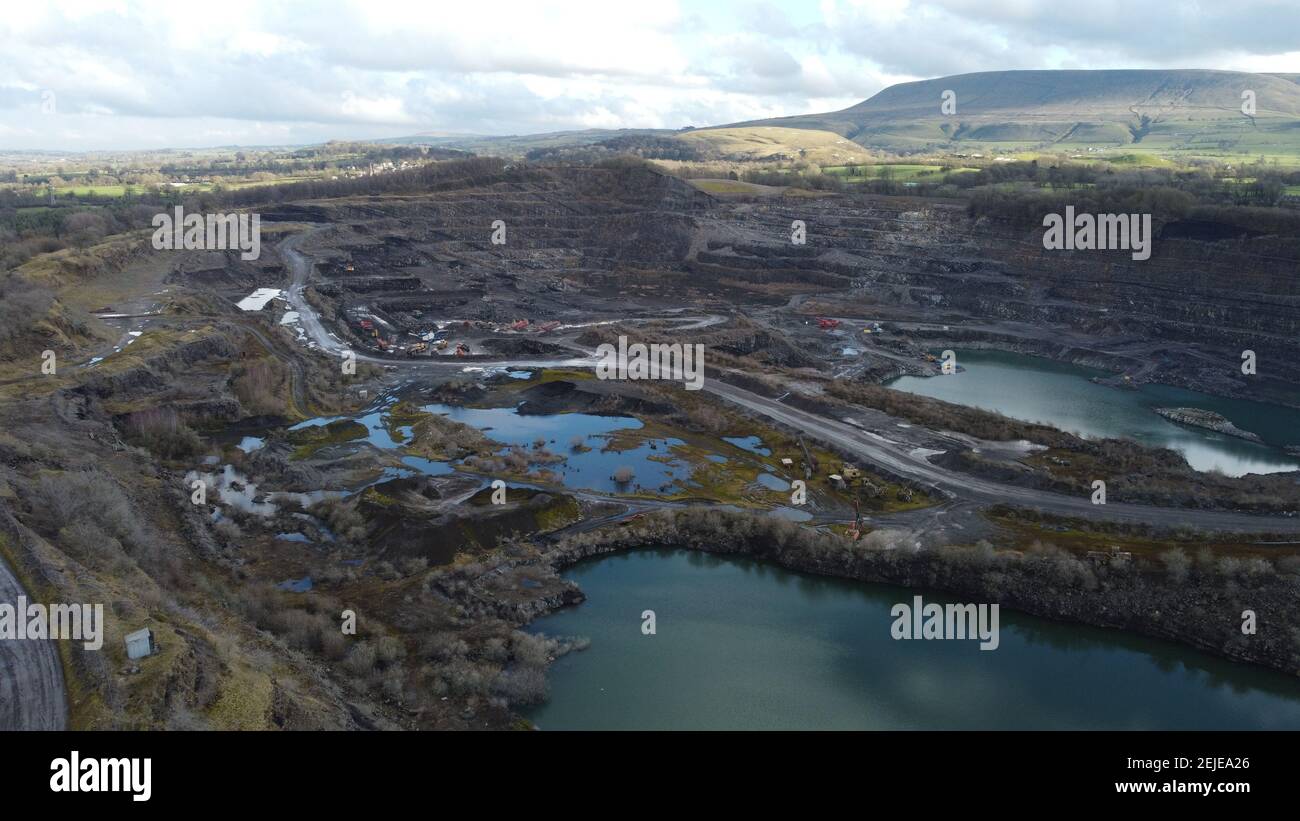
{"points": [[1197, 418]]}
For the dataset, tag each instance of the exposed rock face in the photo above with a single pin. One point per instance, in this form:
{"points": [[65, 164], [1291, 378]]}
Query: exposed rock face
{"points": [[585, 396], [423, 517], [927, 260], [596, 236], [1198, 605], [1197, 418]]}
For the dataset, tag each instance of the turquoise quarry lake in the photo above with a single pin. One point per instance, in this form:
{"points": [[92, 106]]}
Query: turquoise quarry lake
{"points": [[1033, 389], [744, 645]]}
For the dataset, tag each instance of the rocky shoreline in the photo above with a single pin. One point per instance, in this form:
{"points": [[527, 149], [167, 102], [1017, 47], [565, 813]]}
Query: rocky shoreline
{"points": [[1194, 601], [1117, 365]]}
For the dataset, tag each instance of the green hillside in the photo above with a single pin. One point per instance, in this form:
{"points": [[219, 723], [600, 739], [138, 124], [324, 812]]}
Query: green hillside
{"points": [[1192, 112]]}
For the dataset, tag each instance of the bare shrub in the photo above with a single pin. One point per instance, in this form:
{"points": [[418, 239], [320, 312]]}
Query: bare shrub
{"points": [[1177, 565], [389, 650], [22, 305], [530, 650], [517, 459], [496, 650], [414, 566], [361, 659], [333, 644], [228, 530], [343, 519], [521, 685], [1230, 566], [1205, 559], [1289, 565], [162, 431], [85, 540], [443, 647], [85, 228], [259, 386], [302, 630], [90, 496]]}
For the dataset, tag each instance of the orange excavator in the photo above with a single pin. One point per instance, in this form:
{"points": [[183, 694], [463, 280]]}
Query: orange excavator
{"points": [[854, 531], [826, 324]]}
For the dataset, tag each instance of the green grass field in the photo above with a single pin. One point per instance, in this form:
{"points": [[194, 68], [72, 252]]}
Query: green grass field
{"points": [[119, 190], [757, 144], [728, 187], [92, 190], [903, 172]]}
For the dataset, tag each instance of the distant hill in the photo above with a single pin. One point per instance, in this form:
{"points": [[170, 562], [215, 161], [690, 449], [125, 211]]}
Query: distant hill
{"points": [[762, 143], [519, 145], [1190, 110]]}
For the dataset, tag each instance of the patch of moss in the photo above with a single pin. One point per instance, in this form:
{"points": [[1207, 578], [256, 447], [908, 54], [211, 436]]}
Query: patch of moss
{"points": [[375, 496], [309, 440], [1021, 533], [506, 387], [433, 436], [560, 512], [483, 498], [244, 702]]}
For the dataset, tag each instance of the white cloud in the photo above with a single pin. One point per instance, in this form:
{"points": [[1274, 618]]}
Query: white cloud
{"points": [[149, 73]]}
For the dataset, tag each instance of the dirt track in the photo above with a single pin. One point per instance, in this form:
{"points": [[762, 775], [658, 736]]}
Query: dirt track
{"points": [[898, 458], [902, 460], [32, 696]]}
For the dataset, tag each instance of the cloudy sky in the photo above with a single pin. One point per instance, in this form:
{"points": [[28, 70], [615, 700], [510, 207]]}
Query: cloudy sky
{"points": [[117, 75]]}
